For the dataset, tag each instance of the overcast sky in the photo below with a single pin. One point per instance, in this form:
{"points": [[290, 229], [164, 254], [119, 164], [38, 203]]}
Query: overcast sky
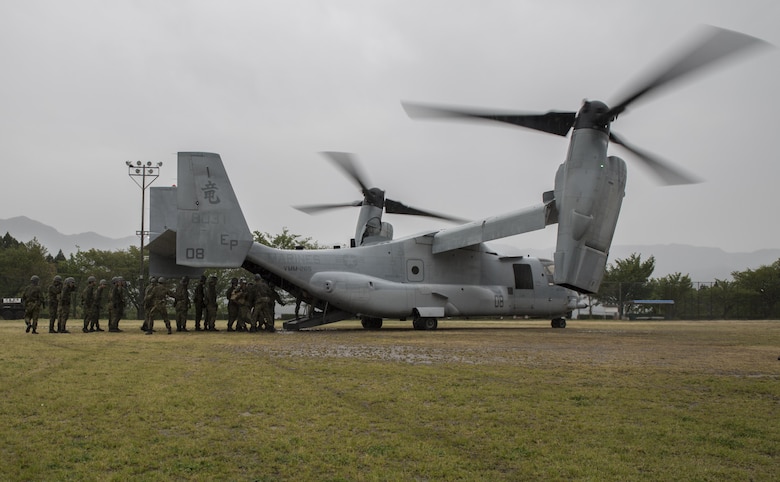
{"points": [[89, 84]]}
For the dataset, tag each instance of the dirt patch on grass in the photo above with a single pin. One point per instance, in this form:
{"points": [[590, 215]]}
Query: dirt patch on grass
{"points": [[725, 348]]}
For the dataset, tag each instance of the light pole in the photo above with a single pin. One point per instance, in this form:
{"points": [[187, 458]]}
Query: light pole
{"points": [[143, 175]]}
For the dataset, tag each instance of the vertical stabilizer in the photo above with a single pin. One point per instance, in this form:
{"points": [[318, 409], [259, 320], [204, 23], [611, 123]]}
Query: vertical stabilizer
{"points": [[162, 211], [163, 217], [211, 229]]}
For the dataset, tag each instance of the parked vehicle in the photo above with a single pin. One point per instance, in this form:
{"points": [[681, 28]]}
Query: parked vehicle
{"points": [[12, 309]]}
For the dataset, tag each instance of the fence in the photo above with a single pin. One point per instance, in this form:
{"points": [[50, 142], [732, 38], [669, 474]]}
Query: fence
{"points": [[700, 301]]}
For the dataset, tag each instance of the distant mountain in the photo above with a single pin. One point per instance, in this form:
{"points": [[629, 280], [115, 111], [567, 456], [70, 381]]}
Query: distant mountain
{"points": [[25, 229], [701, 264]]}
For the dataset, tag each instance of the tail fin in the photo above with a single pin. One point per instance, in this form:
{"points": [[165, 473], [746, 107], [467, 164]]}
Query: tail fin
{"points": [[211, 229]]}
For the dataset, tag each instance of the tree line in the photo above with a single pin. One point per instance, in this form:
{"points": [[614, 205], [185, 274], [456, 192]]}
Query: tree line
{"points": [[19, 261], [751, 294]]}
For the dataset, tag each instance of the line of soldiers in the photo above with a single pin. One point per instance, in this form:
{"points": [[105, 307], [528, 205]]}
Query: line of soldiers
{"points": [[250, 305], [60, 298], [156, 303]]}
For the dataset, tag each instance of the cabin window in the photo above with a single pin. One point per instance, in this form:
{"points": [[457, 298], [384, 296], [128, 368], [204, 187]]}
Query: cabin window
{"points": [[523, 277], [414, 270]]}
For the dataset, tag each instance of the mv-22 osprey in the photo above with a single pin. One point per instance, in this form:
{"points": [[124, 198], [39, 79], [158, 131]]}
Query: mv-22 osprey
{"points": [[443, 273]]}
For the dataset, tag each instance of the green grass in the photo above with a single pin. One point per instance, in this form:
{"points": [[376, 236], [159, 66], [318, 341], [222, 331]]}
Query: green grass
{"points": [[503, 400]]}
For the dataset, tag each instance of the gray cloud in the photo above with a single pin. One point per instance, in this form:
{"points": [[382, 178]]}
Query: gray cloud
{"points": [[87, 85]]}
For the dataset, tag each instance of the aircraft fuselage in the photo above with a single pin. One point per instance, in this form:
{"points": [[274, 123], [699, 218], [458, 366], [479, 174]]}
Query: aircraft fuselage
{"points": [[402, 278]]}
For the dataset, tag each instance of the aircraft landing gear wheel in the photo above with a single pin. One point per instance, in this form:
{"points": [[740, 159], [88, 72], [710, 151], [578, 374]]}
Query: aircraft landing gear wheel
{"points": [[425, 323], [558, 323], [371, 323]]}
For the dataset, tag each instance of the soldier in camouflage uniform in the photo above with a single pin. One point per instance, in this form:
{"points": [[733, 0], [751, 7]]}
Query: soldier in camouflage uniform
{"points": [[210, 301], [257, 304], [243, 297], [158, 299], [66, 298], [117, 302], [54, 301], [99, 297], [111, 293], [266, 298], [181, 303], [274, 298], [198, 298], [148, 302], [88, 303], [32, 298], [232, 305]]}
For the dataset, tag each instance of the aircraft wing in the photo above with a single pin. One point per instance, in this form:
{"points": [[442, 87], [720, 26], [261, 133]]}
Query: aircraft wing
{"points": [[517, 222]]}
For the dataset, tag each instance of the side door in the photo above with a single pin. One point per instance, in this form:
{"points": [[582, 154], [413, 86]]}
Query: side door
{"points": [[522, 293]]}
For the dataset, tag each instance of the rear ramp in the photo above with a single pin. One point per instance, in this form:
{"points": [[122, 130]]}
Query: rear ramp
{"points": [[318, 318]]}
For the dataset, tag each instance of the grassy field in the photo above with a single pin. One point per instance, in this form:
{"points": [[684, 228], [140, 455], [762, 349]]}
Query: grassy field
{"points": [[504, 400]]}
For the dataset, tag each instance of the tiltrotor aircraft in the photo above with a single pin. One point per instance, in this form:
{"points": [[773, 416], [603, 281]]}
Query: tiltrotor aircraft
{"points": [[442, 273]]}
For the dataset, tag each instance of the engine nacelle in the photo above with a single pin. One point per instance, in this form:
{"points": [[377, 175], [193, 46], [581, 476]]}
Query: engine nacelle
{"points": [[589, 194]]}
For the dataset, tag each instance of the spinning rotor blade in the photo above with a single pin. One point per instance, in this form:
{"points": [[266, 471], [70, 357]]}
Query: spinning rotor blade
{"points": [[347, 163], [715, 44], [395, 207], [552, 122], [372, 196], [712, 46], [663, 170], [317, 208]]}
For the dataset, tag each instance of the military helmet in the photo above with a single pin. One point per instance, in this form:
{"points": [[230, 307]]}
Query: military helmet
{"points": [[153, 279], [160, 279], [91, 279], [234, 280], [257, 276], [34, 278], [102, 281], [70, 279], [58, 279]]}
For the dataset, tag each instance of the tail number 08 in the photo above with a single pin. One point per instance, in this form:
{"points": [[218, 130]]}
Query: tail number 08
{"points": [[194, 253]]}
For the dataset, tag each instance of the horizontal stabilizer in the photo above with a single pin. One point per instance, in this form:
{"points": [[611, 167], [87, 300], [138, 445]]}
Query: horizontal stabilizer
{"points": [[163, 244]]}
